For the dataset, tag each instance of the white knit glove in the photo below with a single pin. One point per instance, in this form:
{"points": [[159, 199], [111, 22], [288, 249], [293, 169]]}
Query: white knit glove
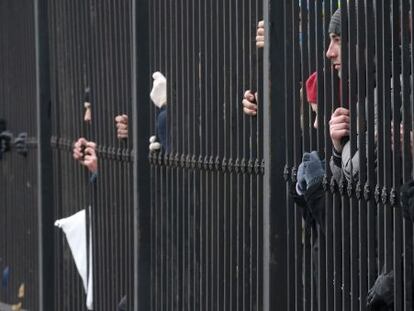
{"points": [[154, 144], [159, 90]]}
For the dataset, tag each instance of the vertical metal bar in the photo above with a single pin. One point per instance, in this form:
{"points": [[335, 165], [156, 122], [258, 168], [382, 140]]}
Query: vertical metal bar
{"points": [[220, 52], [328, 230], [386, 123], [396, 151], [45, 195], [297, 153], [288, 60], [274, 224], [408, 110], [234, 91], [362, 146], [307, 20], [197, 151], [312, 38], [203, 150], [245, 83], [139, 89], [321, 244], [371, 143], [346, 303], [259, 167], [352, 102], [379, 128], [305, 70]]}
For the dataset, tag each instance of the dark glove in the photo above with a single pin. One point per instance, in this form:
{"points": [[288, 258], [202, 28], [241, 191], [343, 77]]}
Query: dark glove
{"points": [[3, 125], [21, 144], [407, 200], [5, 139], [381, 294]]}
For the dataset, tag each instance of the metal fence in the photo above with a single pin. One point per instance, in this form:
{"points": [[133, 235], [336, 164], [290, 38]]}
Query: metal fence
{"points": [[19, 245], [206, 237], [363, 232], [212, 220], [90, 48]]}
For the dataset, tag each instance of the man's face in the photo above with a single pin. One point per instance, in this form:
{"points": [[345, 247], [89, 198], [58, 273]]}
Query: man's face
{"points": [[334, 51]]}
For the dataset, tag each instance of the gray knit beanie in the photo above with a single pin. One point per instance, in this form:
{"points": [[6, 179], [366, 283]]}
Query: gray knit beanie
{"points": [[335, 23]]}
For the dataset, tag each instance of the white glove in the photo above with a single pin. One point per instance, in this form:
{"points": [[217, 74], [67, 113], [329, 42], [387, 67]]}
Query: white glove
{"points": [[154, 145], [159, 89]]}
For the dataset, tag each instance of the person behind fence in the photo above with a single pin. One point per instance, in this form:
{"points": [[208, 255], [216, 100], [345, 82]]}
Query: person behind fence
{"points": [[158, 95], [308, 193], [381, 294], [84, 152], [339, 123]]}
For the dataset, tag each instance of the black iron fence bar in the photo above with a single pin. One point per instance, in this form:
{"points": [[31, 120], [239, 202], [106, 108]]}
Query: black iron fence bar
{"points": [[298, 106], [311, 56], [371, 122], [352, 106], [197, 147], [305, 19], [386, 124], [361, 141], [396, 151], [321, 265], [234, 91], [290, 160], [258, 240], [332, 275], [141, 212], [380, 147], [45, 196], [308, 66], [274, 219], [56, 156], [346, 245], [408, 110]]}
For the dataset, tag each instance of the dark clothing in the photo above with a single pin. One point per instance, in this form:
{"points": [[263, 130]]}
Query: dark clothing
{"points": [[122, 306], [313, 204], [162, 133]]}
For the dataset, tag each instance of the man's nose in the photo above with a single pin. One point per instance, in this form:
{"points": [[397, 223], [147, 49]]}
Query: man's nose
{"points": [[330, 53]]}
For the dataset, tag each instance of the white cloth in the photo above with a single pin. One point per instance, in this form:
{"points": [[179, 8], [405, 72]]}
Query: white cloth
{"points": [[159, 89], [74, 228]]}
